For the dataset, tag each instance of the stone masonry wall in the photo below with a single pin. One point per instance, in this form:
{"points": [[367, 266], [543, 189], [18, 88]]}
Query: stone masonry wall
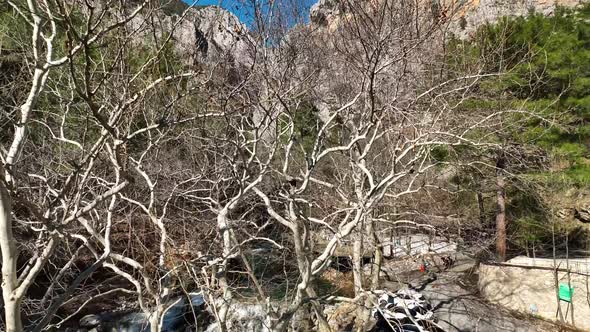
{"points": [[532, 291]]}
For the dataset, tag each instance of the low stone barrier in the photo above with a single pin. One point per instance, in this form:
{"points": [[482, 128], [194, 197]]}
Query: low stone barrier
{"points": [[532, 288]]}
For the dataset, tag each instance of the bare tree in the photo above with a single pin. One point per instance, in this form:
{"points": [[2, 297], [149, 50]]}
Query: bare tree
{"points": [[99, 134], [166, 176], [373, 140]]}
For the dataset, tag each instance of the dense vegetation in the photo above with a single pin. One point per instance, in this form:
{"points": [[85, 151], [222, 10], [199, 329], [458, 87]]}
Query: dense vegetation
{"points": [[545, 69]]}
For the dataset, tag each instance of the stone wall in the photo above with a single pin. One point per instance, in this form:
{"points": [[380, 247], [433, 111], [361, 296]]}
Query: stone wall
{"points": [[531, 290]]}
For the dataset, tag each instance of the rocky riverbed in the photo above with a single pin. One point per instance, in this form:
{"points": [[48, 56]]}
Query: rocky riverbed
{"points": [[450, 290]]}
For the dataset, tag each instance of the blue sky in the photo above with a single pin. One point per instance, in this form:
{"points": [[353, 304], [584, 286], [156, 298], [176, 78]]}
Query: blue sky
{"points": [[243, 13]]}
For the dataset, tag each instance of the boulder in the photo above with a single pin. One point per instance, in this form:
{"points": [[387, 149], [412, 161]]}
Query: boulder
{"points": [[582, 213], [244, 317], [128, 322], [208, 34], [342, 317], [172, 321], [322, 11]]}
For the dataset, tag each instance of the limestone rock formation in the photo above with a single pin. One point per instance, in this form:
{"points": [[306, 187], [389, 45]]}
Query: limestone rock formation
{"points": [[208, 34], [582, 213], [571, 205], [469, 15], [323, 11], [200, 34], [463, 16]]}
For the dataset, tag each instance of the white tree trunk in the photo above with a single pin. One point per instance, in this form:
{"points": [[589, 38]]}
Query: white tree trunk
{"points": [[501, 211], [12, 314], [357, 263], [223, 228], [155, 321], [12, 317], [377, 255]]}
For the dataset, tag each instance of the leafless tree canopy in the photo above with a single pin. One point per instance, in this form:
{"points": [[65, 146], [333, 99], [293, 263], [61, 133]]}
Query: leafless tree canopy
{"points": [[131, 172]]}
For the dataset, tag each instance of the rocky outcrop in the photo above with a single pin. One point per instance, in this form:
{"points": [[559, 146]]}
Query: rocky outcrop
{"points": [[209, 34], [582, 213], [571, 205], [463, 16], [181, 314], [323, 11], [199, 34], [245, 317], [342, 317], [467, 16]]}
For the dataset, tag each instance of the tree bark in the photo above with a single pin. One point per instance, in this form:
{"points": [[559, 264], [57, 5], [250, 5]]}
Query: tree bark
{"points": [[12, 302], [12, 314], [223, 228], [155, 322], [482, 215], [376, 271], [305, 286], [501, 210], [357, 263], [322, 322], [377, 255]]}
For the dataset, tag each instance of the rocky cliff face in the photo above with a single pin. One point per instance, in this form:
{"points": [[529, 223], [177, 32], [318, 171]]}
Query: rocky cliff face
{"points": [[470, 14], [463, 16], [572, 205], [200, 34], [208, 34], [324, 11]]}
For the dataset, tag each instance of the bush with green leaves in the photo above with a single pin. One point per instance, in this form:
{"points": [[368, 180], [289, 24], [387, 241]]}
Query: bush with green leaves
{"points": [[544, 66]]}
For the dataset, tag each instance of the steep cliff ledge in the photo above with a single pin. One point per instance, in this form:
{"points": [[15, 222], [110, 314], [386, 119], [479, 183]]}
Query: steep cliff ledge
{"points": [[470, 14], [463, 16]]}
